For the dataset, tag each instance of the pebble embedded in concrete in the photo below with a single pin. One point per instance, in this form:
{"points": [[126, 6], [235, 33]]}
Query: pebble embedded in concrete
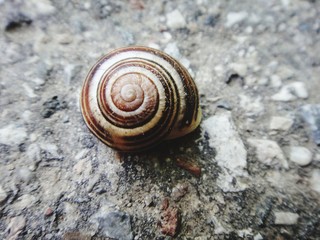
{"points": [[315, 180], [235, 17], [280, 123], [269, 152], [291, 92], [25, 175], [49, 160], [310, 113], [286, 218], [179, 191], [231, 152], [239, 68], [251, 106], [3, 194], [13, 135], [15, 226], [116, 225], [175, 20], [258, 237], [300, 155], [275, 81]]}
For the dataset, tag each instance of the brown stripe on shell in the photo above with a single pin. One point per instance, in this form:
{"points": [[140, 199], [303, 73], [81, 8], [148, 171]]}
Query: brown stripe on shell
{"points": [[150, 135], [165, 123], [92, 123], [116, 119]]}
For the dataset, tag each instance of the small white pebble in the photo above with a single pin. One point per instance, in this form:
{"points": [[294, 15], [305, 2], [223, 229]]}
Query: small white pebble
{"points": [[280, 123], [315, 180], [3, 194], [235, 17], [175, 20], [300, 155], [285, 218]]}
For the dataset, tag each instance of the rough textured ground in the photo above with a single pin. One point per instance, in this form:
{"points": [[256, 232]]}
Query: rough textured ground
{"points": [[257, 67]]}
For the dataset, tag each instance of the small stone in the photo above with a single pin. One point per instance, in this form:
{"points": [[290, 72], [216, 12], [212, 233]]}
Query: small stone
{"points": [[300, 155], [154, 45], [13, 135], [263, 81], [315, 180], [169, 219], [25, 175], [275, 81], [252, 106], [285, 3], [26, 116], [211, 20], [75, 236], [92, 182], [285, 72], [33, 152], [83, 166], [15, 227], [65, 119], [239, 68], [28, 91], [38, 81], [280, 123], [179, 191], [148, 201], [51, 151], [311, 116], [40, 7], [231, 152], [268, 152], [116, 225], [218, 226], [64, 38], [137, 4], [82, 154], [291, 92], [258, 237], [286, 218], [24, 201], [3, 195], [173, 50], [224, 104], [235, 17], [48, 212], [191, 167], [104, 9], [175, 20]]}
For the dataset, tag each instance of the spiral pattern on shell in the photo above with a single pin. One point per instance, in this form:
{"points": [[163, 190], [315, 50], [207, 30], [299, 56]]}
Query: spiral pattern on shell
{"points": [[135, 97]]}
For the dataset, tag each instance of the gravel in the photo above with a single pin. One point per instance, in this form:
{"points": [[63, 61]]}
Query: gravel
{"points": [[300, 155], [291, 92], [280, 123], [315, 180], [285, 218], [116, 225], [3, 194], [231, 153], [268, 152], [175, 20], [251, 170], [311, 116]]}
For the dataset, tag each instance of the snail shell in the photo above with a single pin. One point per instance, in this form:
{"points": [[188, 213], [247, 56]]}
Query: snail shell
{"points": [[135, 97]]}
